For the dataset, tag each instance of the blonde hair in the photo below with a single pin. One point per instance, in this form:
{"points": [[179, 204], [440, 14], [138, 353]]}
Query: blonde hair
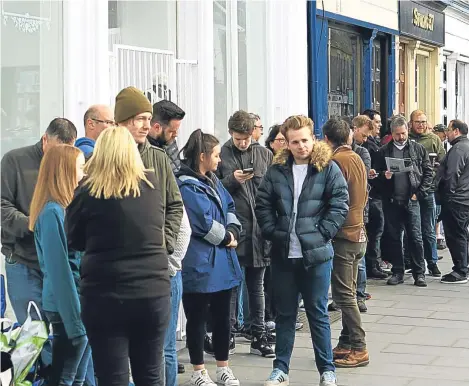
{"points": [[297, 122], [362, 120], [416, 113], [56, 181], [115, 169]]}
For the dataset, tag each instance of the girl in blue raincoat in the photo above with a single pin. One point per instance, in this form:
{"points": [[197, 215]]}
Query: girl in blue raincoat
{"points": [[210, 268]]}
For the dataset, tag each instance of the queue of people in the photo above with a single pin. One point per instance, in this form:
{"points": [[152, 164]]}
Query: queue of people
{"points": [[110, 232]]}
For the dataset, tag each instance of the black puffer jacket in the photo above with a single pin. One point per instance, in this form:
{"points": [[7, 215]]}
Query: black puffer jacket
{"points": [[252, 250], [453, 173], [421, 177], [322, 206]]}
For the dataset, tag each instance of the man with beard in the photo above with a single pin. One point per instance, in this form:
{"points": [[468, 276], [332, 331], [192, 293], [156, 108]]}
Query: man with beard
{"points": [[401, 191], [165, 123]]}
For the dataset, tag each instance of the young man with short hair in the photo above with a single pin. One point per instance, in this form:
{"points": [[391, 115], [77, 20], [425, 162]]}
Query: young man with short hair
{"points": [[301, 204]]}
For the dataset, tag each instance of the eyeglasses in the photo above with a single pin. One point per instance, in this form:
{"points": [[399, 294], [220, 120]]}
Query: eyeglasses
{"points": [[259, 127], [280, 140], [106, 122], [420, 122]]}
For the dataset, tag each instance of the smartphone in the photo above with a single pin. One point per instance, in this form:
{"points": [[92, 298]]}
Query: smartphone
{"points": [[248, 171]]}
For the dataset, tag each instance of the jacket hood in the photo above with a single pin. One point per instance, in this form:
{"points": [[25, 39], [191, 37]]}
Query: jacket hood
{"points": [[187, 171], [413, 135], [320, 157], [84, 141]]}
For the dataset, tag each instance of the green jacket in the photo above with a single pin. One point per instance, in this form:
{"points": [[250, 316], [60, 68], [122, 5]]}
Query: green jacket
{"points": [[432, 144], [156, 159]]}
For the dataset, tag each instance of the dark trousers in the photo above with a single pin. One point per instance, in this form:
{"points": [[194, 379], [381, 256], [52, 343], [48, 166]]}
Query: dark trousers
{"points": [[123, 330], [400, 216], [70, 357], [255, 285], [456, 221], [347, 257], [196, 308], [374, 231], [269, 314]]}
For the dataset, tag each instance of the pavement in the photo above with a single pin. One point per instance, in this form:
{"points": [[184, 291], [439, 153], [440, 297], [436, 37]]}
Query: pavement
{"points": [[415, 336]]}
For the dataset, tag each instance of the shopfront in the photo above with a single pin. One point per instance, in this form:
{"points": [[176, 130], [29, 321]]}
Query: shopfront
{"points": [[351, 60], [455, 67], [422, 34]]}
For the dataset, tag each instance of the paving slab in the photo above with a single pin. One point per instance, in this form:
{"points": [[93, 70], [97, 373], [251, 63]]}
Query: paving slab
{"points": [[416, 337]]}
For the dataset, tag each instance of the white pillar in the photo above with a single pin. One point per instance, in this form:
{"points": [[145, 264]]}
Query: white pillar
{"points": [[451, 84]]}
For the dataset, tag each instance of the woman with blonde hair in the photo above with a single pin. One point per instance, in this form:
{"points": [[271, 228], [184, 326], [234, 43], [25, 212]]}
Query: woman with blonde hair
{"points": [[60, 172], [117, 219]]}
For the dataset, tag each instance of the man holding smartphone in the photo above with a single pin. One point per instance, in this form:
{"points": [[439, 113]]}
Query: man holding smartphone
{"points": [[243, 165]]}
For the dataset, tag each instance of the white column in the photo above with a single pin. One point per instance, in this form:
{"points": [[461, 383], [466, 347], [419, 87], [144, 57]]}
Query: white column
{"points": [[451, 84], [86, 61], [466, 93]]}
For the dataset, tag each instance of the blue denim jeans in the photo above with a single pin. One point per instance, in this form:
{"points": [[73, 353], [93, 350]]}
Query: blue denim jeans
{"points": [[70, 357], [428, 221], [170, 354], [24, 284], [361, 279], [291, 279]]}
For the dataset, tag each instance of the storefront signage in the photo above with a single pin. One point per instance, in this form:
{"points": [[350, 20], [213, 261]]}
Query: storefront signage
{"points": [[422, 20]]}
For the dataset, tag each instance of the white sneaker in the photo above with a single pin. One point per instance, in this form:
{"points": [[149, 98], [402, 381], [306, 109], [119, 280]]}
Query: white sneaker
{"points": [[201, 378], [328, 378], [270, 325], [226, 377], [277, 378]]}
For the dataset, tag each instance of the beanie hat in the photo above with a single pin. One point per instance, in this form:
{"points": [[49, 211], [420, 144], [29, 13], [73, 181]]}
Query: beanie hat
{"points": [[130, 102]]}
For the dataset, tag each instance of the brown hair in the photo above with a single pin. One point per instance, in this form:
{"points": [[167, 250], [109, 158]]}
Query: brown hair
{"points": [[56, 180], [362, 120], [297, 122], [416, 113]]}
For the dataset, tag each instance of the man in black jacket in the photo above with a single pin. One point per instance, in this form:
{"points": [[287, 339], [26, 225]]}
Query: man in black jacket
{"points": [[19, 169], [401, 190], [165, 122], [453, 187], [301, 204], [244, 163]]}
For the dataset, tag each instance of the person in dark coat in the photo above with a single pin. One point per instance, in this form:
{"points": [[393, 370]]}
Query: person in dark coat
{"points": [[243, 165], [300, 206], [210, 269]]}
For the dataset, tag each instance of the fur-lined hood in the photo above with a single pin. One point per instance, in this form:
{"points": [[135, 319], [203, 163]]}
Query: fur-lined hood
{"points": [[320, 156]]}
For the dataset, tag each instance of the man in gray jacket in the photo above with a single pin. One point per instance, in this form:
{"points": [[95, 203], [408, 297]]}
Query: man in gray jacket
{"points": [[19, 169], [243, 165]]}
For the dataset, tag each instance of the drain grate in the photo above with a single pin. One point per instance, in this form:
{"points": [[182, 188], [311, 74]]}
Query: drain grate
{"points": [[334, 316]]}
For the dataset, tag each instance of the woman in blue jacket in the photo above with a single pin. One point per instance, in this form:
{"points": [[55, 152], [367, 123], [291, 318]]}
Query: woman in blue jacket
{"points": [[210, 268], [60, 172]]}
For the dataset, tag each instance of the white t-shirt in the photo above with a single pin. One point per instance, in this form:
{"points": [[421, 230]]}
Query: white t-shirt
{"points": [[299, 176]]}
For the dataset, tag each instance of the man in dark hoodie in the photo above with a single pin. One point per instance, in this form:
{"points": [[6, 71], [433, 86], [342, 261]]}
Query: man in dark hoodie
{"points": [[96, 119], [243, 165], [19, 169], [165, 123]]}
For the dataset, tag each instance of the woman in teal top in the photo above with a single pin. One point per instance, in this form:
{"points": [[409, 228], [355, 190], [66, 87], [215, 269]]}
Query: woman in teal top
{"points": [[60, 172]]}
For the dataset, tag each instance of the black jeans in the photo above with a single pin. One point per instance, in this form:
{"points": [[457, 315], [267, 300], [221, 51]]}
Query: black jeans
{"points": [[123, 330], [269, 314], [196, 308], [255, 286], [374, 231], [455, 222], [400, 216]]}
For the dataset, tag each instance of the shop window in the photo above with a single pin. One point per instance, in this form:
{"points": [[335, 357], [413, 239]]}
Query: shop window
{"points": [[31, 77], [376, 75], [345, 64]]}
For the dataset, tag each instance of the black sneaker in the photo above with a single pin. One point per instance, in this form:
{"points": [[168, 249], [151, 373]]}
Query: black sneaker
{"points": [[440, 244], [260, 346], [271, 337], [232, 345], [454, 278], [377, 274], [333, 306], [395, 279], [181, 368], [208, 345], [362, 306], [419, 281], [433, 270], [247, 334]]}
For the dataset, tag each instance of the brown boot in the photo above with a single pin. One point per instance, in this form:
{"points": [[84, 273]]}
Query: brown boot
{"points": [[340, 352], [354, 359]]}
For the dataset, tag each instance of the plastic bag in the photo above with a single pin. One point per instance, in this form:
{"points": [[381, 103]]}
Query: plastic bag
{"points": [[26, 343]]}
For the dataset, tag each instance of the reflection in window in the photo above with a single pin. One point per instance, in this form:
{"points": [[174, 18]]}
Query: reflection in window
{"points": [[32, 77], [344, 73], [220, 69]]}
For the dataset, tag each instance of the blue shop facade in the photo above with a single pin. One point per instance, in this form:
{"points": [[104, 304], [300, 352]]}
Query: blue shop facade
{"points": [[352, 66]]}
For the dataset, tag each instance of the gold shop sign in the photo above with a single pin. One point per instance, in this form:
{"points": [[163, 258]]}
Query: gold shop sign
{"points": [[423, 21]]}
